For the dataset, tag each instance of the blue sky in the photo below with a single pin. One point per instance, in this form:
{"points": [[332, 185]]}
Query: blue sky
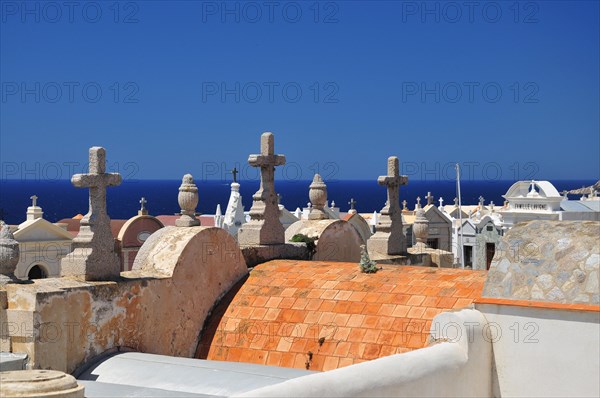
{"points": [[511, 90]]}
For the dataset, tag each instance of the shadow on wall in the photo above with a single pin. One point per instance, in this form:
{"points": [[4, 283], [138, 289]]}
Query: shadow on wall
{"points": [[209, 331]]}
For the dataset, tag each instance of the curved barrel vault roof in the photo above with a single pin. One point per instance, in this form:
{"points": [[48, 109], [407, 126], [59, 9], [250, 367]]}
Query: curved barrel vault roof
{"points": [[324, 315]]}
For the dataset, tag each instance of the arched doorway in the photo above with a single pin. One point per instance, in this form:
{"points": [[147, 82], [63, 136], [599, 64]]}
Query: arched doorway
{"points": [[37, 272]]}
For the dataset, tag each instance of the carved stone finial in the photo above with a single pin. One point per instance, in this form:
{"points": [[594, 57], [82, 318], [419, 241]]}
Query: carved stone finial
{"points": [[188, 200], [318, 198], [421, 228]]}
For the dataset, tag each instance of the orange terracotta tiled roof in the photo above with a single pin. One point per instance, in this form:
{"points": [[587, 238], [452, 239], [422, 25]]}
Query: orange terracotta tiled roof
{"points": [[326, 315]]}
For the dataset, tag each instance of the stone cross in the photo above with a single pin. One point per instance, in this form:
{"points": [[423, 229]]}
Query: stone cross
{"points": [[97, 180], [481, 200], [389, 238], [143, 211], [264, 227], [455, 201], [418, 206], [33, 201], [429, 198], [352, 203], [234, 172], [393, 180], [441, 200], [93, 256], [404, 205]]}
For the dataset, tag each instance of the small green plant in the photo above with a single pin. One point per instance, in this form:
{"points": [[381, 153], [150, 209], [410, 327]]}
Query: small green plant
{"points": [[310, 243], [367, 265]]}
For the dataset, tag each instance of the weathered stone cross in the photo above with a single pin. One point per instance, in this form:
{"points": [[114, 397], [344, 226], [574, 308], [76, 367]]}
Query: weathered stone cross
{"points": [[389, 238], [429, 198], [33, 201], [264, 227], [143, 211], [404, 205], [352, 203], [455, 201], [267, 160], [93, 256], [441, 200], [96, 180], [418, 202], [234, 172], [393, 180], [481, 199]]}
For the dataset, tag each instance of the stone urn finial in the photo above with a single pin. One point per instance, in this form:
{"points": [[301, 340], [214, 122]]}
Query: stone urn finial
{"points": [[421, 228], [318, 198], [188, 200], [9, 251]]}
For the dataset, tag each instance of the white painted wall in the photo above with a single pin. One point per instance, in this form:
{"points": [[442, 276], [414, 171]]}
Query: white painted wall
{"points": [[544, 352], [46, 254], [460, 367]]}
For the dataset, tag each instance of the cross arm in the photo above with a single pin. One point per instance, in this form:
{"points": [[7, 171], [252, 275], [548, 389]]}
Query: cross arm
{"points": [[266, 160], [95, 180]]}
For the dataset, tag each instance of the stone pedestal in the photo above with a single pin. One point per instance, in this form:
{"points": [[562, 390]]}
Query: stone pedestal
{"points": [[39, 384]]}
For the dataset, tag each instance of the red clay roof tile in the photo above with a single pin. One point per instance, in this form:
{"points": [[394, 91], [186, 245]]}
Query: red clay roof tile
{"points": [[326, 315]]}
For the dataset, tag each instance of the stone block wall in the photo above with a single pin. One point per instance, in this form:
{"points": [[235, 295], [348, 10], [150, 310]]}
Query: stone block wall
{"points": [[553, 261]]}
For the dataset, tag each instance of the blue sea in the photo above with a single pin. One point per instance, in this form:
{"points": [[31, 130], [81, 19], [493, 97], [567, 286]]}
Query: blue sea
{"points": [[59, 199]]}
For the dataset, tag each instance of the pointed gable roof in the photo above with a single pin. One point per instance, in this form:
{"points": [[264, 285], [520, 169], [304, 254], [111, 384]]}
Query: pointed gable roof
{"points": [[40, 230], [432, 212]]}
